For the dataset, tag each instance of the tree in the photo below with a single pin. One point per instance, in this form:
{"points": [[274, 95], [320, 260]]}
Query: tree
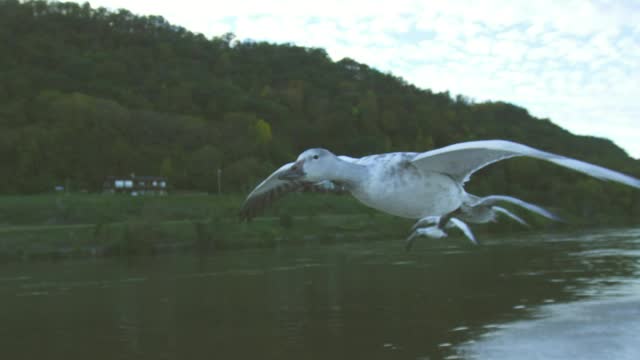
{"points": [[203, 167], [262, 132], [166, 168], [90, 92]]}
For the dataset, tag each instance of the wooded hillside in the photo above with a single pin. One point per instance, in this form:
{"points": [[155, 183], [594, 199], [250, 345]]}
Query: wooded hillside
{"points": [[86, 93]]}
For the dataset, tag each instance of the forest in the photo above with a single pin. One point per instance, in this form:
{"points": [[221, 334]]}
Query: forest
{"points": [[87, 93]]}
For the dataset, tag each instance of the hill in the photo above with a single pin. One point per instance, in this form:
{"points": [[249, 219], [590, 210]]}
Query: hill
{"points": [[86, 93]]}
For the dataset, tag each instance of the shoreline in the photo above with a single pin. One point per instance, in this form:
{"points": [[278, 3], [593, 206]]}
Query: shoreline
{"points": [[59, 226]]}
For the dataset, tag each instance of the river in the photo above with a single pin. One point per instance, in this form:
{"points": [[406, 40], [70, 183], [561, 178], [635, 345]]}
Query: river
{"points": [[526, 296]]}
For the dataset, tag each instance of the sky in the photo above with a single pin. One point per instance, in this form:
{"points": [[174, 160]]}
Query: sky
{"points": [[576, 62]]}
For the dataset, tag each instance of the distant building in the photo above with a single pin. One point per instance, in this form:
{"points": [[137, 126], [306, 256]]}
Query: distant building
{"points": [[136, 185]]}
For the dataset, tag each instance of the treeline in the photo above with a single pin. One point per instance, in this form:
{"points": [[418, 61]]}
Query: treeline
{"points": [[86, 93]]}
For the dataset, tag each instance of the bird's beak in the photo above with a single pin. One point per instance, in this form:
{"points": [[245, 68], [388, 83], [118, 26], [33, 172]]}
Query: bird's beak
{"points": [[295, 172]]}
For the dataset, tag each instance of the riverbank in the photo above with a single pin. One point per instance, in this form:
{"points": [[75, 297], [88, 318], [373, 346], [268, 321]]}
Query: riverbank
{"points": [[80, 225]]}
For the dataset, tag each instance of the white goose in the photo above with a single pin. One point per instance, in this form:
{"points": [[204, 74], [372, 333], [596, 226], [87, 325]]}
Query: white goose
{"points": [[424, 186]]}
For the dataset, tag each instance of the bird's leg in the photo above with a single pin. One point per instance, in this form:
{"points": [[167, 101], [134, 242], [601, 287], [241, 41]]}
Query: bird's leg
{"points": [[439, 223], [431, 231], [421, 229], [455, 222], [442, 223], [427, 220]]}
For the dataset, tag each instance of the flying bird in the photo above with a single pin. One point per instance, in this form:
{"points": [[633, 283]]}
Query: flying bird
{"points": [[428, 186]]}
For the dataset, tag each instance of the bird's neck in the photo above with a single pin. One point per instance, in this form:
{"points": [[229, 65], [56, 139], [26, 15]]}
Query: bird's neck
{"points": [[349, 173]]}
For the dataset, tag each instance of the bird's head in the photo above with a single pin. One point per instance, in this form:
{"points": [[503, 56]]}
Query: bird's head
{"points": [[312, 165]]}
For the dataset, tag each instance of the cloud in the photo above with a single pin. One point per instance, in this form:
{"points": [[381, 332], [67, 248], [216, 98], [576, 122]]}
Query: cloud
{"points": [[576, 61]]}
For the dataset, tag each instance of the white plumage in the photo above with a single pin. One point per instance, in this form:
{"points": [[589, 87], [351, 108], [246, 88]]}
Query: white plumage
{"points": [[423, 186]]}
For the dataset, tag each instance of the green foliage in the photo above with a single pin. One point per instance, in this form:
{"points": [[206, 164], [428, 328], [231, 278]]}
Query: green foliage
{"points": [[262, 131], [166, 168], [86, 93], [286, 220]]}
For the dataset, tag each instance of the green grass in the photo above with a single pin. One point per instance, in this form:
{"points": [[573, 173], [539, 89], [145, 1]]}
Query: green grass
{"points": [[61, 209], [68, 225]]}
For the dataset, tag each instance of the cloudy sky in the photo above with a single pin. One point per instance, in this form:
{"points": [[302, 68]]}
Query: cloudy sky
{"points": [[575, 62]]}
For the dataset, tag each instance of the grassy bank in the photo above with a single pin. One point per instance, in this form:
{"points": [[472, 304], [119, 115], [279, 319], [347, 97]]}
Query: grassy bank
{"points": [[75, 225], [64, 209], [70, 225]]}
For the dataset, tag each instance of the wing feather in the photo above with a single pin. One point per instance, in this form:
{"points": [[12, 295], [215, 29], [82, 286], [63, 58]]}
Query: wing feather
{"points": [[461, 160], [272, 189]]}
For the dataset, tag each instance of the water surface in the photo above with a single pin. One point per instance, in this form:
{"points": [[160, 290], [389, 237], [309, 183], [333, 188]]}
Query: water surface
{"points": [[512, 297]]}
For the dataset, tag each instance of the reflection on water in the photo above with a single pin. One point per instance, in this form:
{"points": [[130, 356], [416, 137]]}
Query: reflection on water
{"points": [[603, 324], [444, 299]]}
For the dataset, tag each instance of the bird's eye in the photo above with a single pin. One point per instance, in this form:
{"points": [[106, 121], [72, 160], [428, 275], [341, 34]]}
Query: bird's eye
{"points": [[315, 157]]}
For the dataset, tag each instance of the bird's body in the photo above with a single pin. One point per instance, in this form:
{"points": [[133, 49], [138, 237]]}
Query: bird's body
{"points": [[396, 186], [425, 186]]}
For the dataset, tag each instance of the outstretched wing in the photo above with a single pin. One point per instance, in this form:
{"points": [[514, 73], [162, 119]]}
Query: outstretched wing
{"points": [[272, 189], [461, 160], [494, 199]]}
